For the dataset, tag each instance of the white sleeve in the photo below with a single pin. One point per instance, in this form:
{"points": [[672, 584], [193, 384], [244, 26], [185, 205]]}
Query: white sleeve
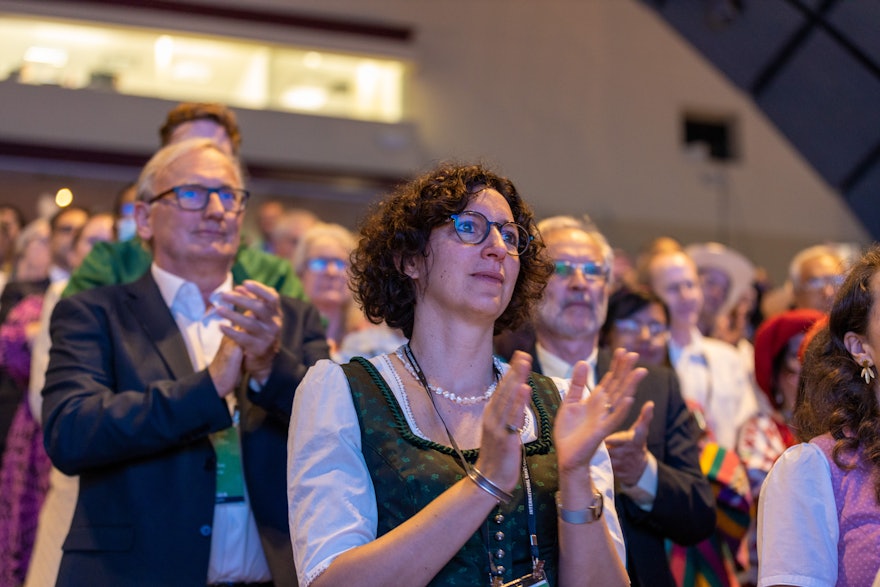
{"points": [[40, 351], [603, 480], [797, 521], [330, 496]]}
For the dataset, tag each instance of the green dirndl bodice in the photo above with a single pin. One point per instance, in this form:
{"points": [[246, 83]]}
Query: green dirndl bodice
{"points": [[409, 472]]}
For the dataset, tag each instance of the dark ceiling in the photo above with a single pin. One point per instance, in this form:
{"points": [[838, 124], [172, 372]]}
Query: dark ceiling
{"points": [[813, 67]]}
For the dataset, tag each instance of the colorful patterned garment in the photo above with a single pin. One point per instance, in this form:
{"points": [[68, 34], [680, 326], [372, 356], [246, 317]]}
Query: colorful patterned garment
{"points": [[712, 563], [24, 477]]}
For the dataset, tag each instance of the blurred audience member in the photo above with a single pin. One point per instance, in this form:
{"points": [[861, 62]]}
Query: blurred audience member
{"points": [[725, 277], [269, 212], [30, 274], [766, 436], [201, 120], [719, 392], [24, 473], [819, 510], [322, 263], [288, 231], [124, 224], [727, 280], [816, 274], [637, 321], [98, 228], [713, 378], [11, 223], [63, 226]]}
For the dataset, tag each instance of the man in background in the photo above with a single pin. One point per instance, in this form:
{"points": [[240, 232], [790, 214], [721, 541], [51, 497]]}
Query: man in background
{"points": [[661, 493]]}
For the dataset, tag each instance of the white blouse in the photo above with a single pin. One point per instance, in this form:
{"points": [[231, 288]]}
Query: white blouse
{"points": [[797, 521], [331, 500]]}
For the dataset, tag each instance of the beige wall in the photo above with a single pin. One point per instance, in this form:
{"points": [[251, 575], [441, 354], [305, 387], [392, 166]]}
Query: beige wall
{"points": [[580, 103]]}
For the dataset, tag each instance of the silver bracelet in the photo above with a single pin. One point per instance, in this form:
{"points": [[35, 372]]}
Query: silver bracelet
{"points": [[587, 516], [486, 485]]}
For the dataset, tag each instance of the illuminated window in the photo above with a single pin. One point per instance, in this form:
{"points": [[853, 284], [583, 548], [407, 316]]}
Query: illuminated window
{"points": [[190, 67]]}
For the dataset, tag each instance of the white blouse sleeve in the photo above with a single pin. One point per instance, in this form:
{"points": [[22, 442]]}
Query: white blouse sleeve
{"points": [[797, 521], [603, 480], [330, 496]]}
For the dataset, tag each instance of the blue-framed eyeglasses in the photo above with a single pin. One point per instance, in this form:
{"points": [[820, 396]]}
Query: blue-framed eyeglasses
{"points": [[195, 197], [590, 270], [820, 283], [322, 264], [473, 228], [630, 327]]}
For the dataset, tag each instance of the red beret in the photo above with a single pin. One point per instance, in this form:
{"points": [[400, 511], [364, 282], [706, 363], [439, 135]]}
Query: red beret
{"points": [[773, 336]]}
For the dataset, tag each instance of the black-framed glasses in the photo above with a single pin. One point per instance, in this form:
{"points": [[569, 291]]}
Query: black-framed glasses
{"points": [[195, 197], [473, 228], [322, 264], [591, 270]]}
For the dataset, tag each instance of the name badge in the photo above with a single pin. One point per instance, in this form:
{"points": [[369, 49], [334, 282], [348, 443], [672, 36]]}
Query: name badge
{"points": [[230, 480]]}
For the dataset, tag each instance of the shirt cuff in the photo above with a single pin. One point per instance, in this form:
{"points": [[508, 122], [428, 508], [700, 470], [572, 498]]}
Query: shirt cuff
{"points": [[644, 492]]}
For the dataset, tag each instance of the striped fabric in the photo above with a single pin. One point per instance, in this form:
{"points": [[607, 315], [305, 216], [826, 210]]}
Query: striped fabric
{"points": [[711, 562]]}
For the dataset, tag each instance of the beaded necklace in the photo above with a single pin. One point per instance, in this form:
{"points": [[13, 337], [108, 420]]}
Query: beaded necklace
{"points": [[462, 401]]}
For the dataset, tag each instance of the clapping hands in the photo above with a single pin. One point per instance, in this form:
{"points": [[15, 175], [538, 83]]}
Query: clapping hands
{"points": [[583, 421]]}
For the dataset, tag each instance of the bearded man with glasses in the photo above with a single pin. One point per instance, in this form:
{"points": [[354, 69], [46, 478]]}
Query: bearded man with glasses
{"points": [[661, 492], [171, 396]]}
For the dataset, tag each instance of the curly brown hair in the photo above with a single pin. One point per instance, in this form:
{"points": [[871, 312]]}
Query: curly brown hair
{"points": [[396, 232], [832, 395]]}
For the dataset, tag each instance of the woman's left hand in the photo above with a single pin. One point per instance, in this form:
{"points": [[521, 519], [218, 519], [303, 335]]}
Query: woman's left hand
{"points": [[583, 421]]}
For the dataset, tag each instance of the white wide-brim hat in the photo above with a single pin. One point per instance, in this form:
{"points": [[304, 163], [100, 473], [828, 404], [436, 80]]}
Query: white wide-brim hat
{"points": [[740, 270]]}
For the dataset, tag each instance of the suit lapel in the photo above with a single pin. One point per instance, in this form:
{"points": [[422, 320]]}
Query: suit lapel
{"points": [[603, 361], [146, 304]]}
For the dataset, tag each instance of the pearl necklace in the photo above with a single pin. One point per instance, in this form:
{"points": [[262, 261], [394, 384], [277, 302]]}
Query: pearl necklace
{"points": [[462, 401]]}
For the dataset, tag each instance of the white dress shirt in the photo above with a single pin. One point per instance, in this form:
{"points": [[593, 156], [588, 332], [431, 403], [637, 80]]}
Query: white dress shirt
{"points": [[712, 375], [236, 551]]}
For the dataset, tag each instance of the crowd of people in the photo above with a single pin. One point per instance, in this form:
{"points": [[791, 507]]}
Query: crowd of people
{"points": [[458, 393]]}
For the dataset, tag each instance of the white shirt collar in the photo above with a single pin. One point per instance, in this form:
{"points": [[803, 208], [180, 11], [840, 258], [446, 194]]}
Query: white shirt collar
{"points": [[554, 366], [57, 273], [184, 296]]}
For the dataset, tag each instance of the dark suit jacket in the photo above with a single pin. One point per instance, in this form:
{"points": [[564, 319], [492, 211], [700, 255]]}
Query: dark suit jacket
{"points": [[124, 410], [684, 507]]}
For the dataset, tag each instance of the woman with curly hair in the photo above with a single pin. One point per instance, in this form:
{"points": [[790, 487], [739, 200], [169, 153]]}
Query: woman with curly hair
{"points": [[819, 516], [437, 464]]}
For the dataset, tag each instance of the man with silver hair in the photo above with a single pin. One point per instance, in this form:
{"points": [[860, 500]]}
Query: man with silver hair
{"points": [[661, 492], [171, 396], [815, 274]]}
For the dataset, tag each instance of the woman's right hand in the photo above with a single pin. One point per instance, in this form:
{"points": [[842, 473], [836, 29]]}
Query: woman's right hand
{"points": [[501, 445]]}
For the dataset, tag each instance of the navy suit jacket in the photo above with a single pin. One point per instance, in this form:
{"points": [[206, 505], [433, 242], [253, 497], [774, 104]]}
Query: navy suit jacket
{"points": [[684, 507], [124, 410]]}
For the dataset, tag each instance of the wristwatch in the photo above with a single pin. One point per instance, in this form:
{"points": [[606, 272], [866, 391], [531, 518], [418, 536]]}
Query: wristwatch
{"points": [[587, 516]]}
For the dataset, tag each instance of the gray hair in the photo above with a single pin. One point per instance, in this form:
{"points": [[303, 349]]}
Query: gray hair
{"points": [[335, 231], [167, 155], [794, 268], [586, 225]]}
